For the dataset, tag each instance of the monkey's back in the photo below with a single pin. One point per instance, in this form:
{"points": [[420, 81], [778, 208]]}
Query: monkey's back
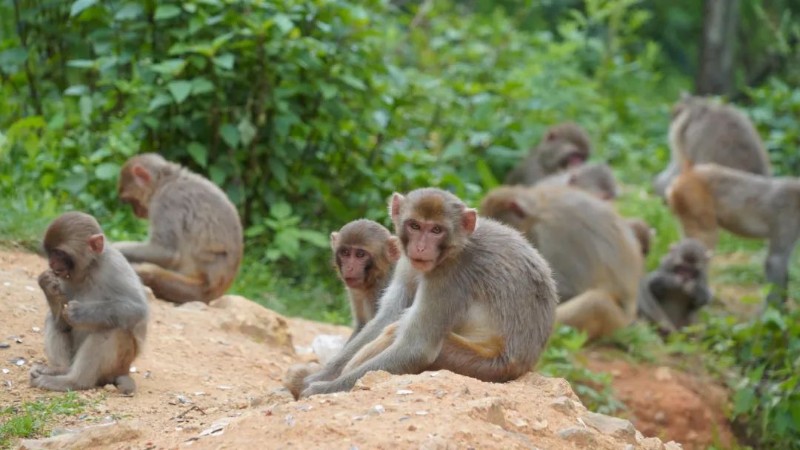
{"points": [[508, 281], [202, 219], [721, 134]]}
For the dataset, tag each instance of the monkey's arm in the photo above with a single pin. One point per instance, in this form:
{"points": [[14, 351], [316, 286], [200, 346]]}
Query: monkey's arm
{"points": [[414, 346], [700, 293], [392, 304], [147, 252], [104, 314], [648, 305], [56, 299]]}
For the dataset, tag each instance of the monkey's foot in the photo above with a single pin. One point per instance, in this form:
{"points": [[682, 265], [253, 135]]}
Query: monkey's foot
{"points": [[40, 369], [125, 384], [320, 387]]}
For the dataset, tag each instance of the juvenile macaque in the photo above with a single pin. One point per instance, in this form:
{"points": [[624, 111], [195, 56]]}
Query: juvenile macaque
{"points": [[97, 322], [564, 146], [364, 254], [595, 178], [671, 295], [708, 196], [468, 295], [595, 258], [195, 243], [702, 131]]}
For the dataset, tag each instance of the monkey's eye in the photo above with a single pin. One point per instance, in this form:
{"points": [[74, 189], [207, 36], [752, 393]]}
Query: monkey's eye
{"points": [[360, 253], [436, 229], [413, 225], [344, 252]]}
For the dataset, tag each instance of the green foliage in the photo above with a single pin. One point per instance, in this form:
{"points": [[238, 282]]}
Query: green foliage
{"points": [[776, 107], [762, 357], [31, 419], [562, 358]]}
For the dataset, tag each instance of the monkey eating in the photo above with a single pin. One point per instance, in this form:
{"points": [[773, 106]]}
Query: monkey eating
{"points": [[563, 146], [704, 132], [364, 254], [671, 296], [97, 322], [468, 295], [706, 197], [195, 244], [594, 255]]}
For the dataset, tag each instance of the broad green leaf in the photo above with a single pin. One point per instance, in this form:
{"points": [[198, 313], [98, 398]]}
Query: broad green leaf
{"points": [[354, 82], [180, 90], [280, 210], [158, 101], [314, 237], [79, 6], [81, 63], [230, 135], [76, 90], [283, 22], [201, 85], [12, 59], [169, 66], [129, 11], [164, 12], [246, 131], [106, 171], [199, 153], [225, 61]]}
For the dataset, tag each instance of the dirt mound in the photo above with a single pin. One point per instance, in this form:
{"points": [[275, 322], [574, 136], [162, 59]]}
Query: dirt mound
{"points": [[210, 377]]}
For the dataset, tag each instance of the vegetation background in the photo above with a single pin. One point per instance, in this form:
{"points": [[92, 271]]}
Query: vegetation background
{"points": [[310, 113]]}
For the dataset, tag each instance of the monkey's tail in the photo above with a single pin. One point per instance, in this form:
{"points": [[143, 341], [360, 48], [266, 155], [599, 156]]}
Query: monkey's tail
{"points": [[125, 384]]}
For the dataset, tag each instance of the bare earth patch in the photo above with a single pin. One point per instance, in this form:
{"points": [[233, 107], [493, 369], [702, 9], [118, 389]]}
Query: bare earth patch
{"points": [[210, 378]]}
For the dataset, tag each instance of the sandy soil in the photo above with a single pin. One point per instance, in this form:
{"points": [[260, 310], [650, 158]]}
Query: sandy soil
{"points": [[210, 378]]}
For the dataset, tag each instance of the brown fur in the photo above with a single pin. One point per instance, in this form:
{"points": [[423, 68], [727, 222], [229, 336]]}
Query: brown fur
{"points": [[195, 232], [560, 143], [484, 310], [97, 321], [595, 259], [702, 131], [709, 196], [643, 233]]}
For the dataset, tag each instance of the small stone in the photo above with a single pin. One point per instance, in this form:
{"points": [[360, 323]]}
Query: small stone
{"points": [[578, 435], [182, 399], [377, 410], [4, 345], [412, 428], [30, 288], [36, 329], [663, 374], [132, 369], [6, 370], [224, 387], [539, 425], [6, 284], [421, 413], [404, 392], [18, 339], [20, 361], [672, 445], [563, 404], [612, 426]]}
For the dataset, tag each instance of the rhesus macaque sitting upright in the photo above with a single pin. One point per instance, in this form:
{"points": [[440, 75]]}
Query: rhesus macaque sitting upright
{"points": [[364, 254], [671, 295], [563, 146], [708, 196], [195, 243], [702, 131], [468, 295], [97, 318], [594, 255]]}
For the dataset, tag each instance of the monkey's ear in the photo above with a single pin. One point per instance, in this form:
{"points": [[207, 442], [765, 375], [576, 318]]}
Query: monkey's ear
{"points": [[469, 220], [140, 174], [334, 240], [517, 209], [394, 205], [393, 249], [96, 243]]}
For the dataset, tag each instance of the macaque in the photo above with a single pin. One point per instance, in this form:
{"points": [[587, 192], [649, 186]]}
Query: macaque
{"points": [[595, 178], [195, 243], [643, 234], [709, 196], [594, 255], [564, 146], [97, 319], [364, 254], [705, 132], [468, 295], [671, 295]]}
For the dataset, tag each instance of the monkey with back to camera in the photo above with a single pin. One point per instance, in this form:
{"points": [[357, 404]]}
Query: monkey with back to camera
{"points": [[671, 295], [97, 321], [563, 146], [596, 260], [706, 197], [702, 131], [468, 295], [195, 240]]}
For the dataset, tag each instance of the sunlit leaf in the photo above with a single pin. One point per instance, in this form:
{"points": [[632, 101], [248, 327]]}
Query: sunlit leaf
{"points": [[164, 12], [198, 152], [180, 90], [79, 6], [106, 171], [225, 61], [230, 135]]}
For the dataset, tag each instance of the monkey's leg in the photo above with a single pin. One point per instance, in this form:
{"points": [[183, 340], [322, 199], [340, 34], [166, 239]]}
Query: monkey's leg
{"points": [[777, 269], [57, 347], [483, 359], [145, 252], [373, 348], [103, 357], [594, 312], [690, 199], [172, 286]]}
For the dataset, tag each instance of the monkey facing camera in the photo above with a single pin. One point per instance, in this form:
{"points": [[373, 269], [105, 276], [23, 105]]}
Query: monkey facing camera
{"points": [[97, 319]]}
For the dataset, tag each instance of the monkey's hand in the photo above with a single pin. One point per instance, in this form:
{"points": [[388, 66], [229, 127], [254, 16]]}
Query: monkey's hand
{"points": [[320, 387], [51, 286]]}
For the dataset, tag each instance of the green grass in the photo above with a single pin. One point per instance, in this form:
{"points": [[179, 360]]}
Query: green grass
{"points": [[33, 419]]}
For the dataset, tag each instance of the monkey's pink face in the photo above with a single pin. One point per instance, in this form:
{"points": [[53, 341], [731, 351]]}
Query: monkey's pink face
{"points": [[353, 265], [424, 241]]}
